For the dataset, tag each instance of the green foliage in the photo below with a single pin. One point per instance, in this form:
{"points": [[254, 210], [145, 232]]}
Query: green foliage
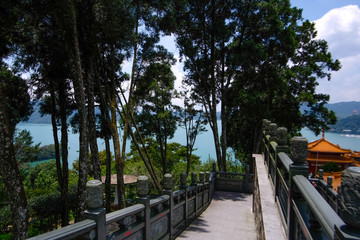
{"points": [[331, 167], [25, 151], [17, 98], [45, 209], [176, 160], [3, 193], [102, 158], [47, 152], [5, 219], [41, 179]]}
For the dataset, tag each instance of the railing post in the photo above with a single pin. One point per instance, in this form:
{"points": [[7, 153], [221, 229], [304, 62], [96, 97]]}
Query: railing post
{"points": [[144, 198], [183, 185], [207, 185], [168, 186], [95, 211], [329, 182], [247, 180], [281, 135], [265, 123], [349, 193], [202, 187], [266, 128], [321, 174], [272, 131], [298, 147], [194, 183]]}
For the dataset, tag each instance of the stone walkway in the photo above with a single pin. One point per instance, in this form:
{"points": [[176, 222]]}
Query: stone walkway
{"points": [[229, 216]]}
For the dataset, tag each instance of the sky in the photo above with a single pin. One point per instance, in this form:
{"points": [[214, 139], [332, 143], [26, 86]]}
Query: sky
{"points": [[338, 22]]}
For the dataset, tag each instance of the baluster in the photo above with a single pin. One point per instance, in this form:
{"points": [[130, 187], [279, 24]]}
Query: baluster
{"points": [[298, 146], [321, 174], [95, 211], [168, 185], [183, 185], [144, 198]]}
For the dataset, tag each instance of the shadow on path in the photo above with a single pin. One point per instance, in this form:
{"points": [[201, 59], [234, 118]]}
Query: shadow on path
{"points": [[233, 196], [229, 216]]}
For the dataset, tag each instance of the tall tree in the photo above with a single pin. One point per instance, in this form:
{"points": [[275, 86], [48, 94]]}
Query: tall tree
{"points": [[12, 110], [10, 115], [277, 67], [42, 53], [155, 91], [248, 57], [203, 31], [194, 121], [73, 49]]}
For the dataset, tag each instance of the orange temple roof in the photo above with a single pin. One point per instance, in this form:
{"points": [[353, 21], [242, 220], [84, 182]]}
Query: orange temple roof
{"points": [[323, 145]]}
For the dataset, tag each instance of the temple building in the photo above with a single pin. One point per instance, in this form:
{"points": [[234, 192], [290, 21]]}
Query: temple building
{"points": [[322, 151]]}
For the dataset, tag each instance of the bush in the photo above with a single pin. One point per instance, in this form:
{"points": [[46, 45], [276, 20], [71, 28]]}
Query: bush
{"points": [[5, 219], [331, 167], [45, 210]]}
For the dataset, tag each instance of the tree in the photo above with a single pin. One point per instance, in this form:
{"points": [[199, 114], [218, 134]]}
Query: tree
{"points": [[194, 122], [24, 149], [254, 59], [155, 91], [281, 75], [203, 31], [78, 83], [10, 115], [8, 165]]}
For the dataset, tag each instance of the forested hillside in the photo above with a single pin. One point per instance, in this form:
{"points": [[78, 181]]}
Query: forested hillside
{"points": [[344, 109]]}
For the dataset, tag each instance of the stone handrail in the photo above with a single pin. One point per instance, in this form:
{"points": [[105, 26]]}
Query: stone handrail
{"points": [[305, 212], [328, 218], [165, 216]]}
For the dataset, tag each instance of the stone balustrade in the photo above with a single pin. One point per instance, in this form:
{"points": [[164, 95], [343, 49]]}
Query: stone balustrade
{"points": [[162, 217], [309, 207]]}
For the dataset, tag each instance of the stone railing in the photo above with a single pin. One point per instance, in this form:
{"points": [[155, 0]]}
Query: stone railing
{"points": [[163, 217], [305, 213], [237, 182], [325, 188]]}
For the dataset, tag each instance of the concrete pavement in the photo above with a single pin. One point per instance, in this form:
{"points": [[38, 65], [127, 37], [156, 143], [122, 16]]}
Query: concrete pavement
{"points": [[229, 216]]}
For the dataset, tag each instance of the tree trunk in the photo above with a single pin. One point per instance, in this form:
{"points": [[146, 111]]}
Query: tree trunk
{"points": [[212, 105], [108, 175], [106, 124], [11, 175], [81, 107], [64, 188], [92, 124], [118, 160]]}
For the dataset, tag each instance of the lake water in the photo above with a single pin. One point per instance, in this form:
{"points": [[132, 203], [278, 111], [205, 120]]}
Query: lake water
{"points": [[42, 133]]}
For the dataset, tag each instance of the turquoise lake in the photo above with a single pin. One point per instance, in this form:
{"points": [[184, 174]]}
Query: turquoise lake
{"points": [[42, 133]]}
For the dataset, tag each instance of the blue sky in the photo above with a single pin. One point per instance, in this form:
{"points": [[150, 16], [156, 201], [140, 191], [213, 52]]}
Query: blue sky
{"points": [[338, 22]]}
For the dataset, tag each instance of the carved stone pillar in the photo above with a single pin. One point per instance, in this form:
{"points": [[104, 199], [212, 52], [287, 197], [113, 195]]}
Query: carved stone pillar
{"points": [[349, 194]]}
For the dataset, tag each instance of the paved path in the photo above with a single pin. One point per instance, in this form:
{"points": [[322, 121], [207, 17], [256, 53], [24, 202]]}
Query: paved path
{"points": [[229, 216]]}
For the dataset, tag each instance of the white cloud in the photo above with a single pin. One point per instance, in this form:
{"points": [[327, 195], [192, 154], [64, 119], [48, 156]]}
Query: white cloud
{"points": [[340, 27]]}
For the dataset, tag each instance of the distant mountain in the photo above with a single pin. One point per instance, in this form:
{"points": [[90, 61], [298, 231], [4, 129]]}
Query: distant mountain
{"points": [[341, 109], [347, 125], [36, 117], [344, 109]]}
